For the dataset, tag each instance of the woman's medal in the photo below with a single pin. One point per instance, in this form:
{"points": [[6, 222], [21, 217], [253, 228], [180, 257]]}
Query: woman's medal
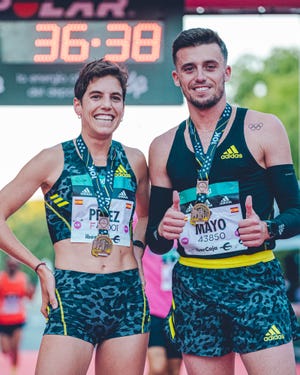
{"points": [[102, 245]]}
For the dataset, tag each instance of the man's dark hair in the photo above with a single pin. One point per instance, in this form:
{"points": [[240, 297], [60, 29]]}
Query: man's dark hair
{"points": [[196, 37], [97, 69]]}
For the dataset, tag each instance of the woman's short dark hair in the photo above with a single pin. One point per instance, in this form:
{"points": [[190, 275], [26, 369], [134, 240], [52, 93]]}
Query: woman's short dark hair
{"points": [[96, 69]]}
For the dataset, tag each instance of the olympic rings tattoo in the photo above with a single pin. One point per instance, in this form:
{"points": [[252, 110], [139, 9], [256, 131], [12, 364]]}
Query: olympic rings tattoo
{"points": [[257, 126]]}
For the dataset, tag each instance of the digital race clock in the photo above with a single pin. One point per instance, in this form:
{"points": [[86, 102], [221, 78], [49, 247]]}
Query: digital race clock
{"points": [[44, 44]]}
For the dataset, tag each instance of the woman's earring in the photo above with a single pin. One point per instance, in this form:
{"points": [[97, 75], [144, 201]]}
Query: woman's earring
{"points": [[79, 116]]}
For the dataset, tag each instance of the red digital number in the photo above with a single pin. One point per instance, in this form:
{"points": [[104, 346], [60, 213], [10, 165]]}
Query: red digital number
{"points": [[123, 43], [80, 44], [60, 44], [138, 42], [133, 37], [51, 43]]}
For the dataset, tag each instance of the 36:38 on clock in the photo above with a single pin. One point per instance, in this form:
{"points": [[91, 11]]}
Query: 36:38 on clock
{"points": [[28, 42]]}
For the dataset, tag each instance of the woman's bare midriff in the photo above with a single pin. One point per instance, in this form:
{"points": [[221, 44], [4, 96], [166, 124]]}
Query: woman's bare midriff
{"points": [[78, 257]]}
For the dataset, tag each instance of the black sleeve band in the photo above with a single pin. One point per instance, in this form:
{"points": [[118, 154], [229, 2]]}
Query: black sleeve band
{"points": [[285, 188], [139, 243], [160, 201]]}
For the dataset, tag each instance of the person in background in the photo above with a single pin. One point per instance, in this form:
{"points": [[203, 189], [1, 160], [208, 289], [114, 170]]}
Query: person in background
{"points": [[163, 355], [92, 185], [15, 288], [214, 179]]}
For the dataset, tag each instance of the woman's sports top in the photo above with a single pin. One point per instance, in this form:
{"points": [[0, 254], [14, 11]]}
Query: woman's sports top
{"points": [[71, 204]]}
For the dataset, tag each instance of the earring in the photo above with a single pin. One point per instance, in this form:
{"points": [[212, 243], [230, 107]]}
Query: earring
{"points": [[79, 116]]}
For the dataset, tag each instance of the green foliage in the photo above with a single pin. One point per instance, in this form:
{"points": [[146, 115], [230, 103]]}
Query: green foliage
{"points": [[271, 85], [30, 227]]}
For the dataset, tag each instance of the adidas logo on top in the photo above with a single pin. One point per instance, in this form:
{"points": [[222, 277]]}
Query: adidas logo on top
{"points": [[86, 192], [225, 200], [231, 153], [121, 171], [273, 334], [123, 195]]}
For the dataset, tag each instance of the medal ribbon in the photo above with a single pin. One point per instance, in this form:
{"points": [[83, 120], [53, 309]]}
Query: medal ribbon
{"points": [[205, 160], [103, 187]]}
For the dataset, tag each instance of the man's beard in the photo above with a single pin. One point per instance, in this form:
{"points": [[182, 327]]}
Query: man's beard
{"points": [[208, 103]]}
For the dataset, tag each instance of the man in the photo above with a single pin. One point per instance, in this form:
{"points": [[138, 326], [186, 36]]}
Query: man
{"points": [[214, 179], [14, 289]]}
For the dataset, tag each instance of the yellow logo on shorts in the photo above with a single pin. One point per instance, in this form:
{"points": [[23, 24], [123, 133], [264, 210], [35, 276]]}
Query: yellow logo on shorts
{"points": [[273, 334]]}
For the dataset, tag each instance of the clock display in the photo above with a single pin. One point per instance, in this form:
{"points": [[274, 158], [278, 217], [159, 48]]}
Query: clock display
{"points": [[44, 44], [78, 42]]}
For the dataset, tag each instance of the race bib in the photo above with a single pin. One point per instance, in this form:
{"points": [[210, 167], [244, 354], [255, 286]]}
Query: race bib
{"points": [[219, 235], [85, 213]]}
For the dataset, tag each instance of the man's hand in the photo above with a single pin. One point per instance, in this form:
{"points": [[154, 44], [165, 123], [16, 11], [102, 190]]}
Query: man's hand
{"points": [[172, 223], [253, 231]]}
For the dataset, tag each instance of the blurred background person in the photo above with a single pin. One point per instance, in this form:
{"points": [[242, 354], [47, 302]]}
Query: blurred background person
{"points": [[292, 275], [163, 356], [15, 287]]}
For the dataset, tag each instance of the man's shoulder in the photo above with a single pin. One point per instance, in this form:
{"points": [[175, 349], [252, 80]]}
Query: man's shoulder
{"points": [[253, 114], [166, 137]]}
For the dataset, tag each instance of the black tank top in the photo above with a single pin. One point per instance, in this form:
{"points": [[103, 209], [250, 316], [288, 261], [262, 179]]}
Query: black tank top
{"points": [[232, 162]]}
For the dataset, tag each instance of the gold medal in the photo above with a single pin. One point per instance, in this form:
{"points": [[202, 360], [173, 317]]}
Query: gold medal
{"points": [[101, 246], [200, 213]]}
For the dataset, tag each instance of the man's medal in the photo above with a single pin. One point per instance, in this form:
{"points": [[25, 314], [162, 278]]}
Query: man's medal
{"points": [[200, 211]]}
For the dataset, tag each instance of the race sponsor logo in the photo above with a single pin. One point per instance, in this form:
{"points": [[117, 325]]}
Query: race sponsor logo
{"points": [[231, 153], [74, 9], [273, 334], [123, 195], [225, 200], [86, 192], [121, 171]]}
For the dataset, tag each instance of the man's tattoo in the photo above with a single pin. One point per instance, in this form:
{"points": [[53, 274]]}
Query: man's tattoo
{"points": [[256, 126]]}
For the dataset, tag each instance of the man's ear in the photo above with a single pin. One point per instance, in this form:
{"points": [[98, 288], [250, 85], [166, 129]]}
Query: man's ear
{"points": [[175, 78]]}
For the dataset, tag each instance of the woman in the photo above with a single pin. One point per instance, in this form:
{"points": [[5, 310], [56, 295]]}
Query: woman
{"points": [[92, 185]]}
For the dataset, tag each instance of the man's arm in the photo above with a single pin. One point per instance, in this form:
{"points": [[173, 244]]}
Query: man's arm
{"points": [[271, 148], [165, 219]]}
